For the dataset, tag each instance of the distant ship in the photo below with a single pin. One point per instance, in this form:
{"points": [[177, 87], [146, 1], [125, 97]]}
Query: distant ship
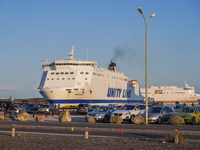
{"points": [[73, 82], [171, 94]]}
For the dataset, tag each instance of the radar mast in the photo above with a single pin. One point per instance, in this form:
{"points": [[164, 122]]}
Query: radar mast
{"points": [[71, 55]]}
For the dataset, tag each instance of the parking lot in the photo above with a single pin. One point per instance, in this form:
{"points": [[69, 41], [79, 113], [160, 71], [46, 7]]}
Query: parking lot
{"points": [[52, 126]]}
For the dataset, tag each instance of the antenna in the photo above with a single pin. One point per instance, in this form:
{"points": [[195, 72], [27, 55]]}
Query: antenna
{"points": [[71, 55], [87, 54]]}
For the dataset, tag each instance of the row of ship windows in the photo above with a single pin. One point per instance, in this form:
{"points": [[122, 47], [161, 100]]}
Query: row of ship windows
{"points": [[62, 73], [97, 74], [74, 64], [67, 64], [63, 79]]}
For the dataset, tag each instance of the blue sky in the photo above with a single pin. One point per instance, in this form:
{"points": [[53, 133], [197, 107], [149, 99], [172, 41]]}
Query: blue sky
{"points": [[32, 31]]}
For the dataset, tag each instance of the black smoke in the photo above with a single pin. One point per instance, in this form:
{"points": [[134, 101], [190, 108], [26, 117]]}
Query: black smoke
{"points": [[127, 54]]}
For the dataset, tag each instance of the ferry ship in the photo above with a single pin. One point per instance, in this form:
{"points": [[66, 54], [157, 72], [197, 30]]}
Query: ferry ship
{"points": [[72, 82], [172, 94]]}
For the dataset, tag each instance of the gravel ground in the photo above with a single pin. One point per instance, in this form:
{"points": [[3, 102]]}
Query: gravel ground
{"points": [[33, 142]]}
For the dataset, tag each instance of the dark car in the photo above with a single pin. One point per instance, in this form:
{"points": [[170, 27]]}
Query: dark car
{"points": [[102, 113], [178, 107], [4, 105], [83, 109], [93, 107], [48, 109], [31, 108]]}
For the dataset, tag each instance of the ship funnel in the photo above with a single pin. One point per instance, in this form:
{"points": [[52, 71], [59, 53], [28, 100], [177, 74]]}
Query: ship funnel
{"points": [[112, 66], [133, 83]]}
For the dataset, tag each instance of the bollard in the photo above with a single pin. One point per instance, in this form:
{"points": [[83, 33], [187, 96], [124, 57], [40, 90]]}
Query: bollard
{"points": [[13, 130], [86, 132], [72, 129], [176, 136], [121, 130]]}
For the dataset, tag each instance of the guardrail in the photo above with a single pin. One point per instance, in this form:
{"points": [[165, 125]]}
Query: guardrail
{"points": [[86, 130]]}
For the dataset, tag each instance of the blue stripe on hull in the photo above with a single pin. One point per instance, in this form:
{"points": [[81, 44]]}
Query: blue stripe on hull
{"points": [[77, 101]]}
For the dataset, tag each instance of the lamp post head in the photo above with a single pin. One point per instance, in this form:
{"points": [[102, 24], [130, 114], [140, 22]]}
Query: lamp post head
{"points": [[140, 10], [152, 15]]}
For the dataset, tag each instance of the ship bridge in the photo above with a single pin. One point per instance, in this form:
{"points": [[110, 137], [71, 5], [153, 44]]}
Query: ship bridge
{"points": [[66, 64]]}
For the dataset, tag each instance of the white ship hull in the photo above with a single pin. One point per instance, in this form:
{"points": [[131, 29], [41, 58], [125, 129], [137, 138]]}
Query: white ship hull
{"points": [[60, 97]]}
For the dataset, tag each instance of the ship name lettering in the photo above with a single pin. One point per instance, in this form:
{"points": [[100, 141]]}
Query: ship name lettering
{"points": [[126, 93], [114, 92]]}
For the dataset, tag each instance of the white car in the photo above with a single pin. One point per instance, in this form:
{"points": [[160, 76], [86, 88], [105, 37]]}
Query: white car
{"points": [[128, 111]]}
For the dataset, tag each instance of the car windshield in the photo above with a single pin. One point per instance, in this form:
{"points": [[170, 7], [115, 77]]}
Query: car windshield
{"points": [[30, 105], [187, 109], [155, 110], [127, 107], [94, 106], [43, 106], [101, 109]]}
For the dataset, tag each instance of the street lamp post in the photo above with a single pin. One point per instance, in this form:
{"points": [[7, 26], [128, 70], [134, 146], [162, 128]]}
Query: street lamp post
{"points": [[146, 60]]}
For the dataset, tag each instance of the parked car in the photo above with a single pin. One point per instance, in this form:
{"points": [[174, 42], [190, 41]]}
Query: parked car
{"points": [[158, 114], [83, 108], [128, 111], [31, 108], [93, 107], [48, 109], [4, 105], [190, 114], [19, 108], [102, 113], [178, 107]]}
